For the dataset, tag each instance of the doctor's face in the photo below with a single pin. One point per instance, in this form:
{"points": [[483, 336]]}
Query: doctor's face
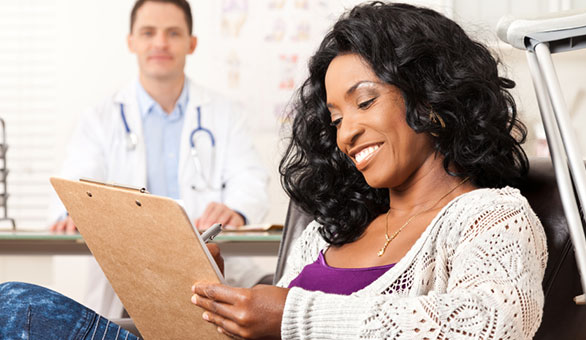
{"points": [[160, 39]]}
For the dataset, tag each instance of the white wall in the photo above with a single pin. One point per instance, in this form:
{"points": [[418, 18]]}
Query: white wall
{"points": [[253, 51]]}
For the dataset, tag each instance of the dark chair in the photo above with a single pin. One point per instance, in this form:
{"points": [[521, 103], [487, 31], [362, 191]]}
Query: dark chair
{"points": [[562, 318], [295, 223]]}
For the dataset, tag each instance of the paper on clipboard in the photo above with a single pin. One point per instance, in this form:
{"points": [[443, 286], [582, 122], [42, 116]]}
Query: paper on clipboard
{"points": [[150, 253]]}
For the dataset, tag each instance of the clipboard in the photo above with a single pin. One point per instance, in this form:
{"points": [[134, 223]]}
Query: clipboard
{"points": [[254, 227], [150, 252]]}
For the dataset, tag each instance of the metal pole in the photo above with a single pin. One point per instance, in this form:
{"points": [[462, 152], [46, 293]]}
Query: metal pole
{"points": [[561, 114], [560, 163]]}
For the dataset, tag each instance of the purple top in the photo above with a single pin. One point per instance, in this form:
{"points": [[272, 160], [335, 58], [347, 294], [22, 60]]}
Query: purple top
{"points": [[344, 281]]}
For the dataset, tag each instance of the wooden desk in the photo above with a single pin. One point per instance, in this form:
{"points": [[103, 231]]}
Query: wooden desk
{"points": [[50, 243]]}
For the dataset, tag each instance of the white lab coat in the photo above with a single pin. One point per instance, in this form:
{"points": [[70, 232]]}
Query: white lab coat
{"points": [[98, 150]]}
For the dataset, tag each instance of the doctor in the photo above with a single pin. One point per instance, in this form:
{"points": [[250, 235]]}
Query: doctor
{"points": [[167, 134]]}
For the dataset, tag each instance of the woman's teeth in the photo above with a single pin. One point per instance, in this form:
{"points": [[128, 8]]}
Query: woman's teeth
{"points": [[362, 155]]}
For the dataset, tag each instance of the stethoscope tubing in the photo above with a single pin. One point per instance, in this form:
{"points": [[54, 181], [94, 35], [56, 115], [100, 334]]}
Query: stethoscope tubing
{"points": [[131, 138], [132, 141], [126, 127], [199, 128]]}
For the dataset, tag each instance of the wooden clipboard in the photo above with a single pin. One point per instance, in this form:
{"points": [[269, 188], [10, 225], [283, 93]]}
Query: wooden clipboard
{"points": [[150, 253]]}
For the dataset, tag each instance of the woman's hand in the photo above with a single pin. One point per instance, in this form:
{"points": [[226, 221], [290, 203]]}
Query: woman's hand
{"points": [[215, 251], [250, 313]]}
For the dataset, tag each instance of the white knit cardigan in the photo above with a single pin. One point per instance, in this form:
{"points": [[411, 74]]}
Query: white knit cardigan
{"points": [[475, 273]]}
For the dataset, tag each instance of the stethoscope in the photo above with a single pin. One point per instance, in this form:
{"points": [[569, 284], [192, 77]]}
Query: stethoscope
{"points": [[132, 142]]}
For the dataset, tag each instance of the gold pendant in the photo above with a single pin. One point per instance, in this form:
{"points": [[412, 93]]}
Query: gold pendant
{"points": [[383, 249]]}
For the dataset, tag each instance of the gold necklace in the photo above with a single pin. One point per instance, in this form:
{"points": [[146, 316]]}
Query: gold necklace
{"points": [[390, 239]]}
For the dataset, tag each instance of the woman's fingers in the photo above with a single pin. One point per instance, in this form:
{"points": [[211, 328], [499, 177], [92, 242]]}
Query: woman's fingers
{"points": [[225, 326], [217, 292], [245, 312], [212, 306], [221, 315]]}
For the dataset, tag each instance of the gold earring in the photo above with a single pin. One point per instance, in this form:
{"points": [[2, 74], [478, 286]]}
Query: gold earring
{"points": [[435, 118]]}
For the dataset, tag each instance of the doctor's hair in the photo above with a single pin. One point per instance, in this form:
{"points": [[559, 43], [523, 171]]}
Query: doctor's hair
{"points": [[182, 4], [440, 72]]}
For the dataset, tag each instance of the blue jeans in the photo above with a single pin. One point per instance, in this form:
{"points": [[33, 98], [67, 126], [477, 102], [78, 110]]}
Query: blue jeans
{"points": [[36, 313]]}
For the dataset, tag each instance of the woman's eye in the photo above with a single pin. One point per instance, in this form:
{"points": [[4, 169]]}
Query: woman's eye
{"points": [[336, 122], [366, 104]]}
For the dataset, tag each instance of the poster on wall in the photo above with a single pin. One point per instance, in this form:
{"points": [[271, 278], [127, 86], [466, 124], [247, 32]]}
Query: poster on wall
{"points": [[259, 49]]}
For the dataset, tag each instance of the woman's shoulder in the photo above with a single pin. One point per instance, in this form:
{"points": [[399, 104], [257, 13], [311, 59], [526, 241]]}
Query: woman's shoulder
{"points": [[305, 250], [311, 236], [491, 198], [488, 208], [310, 242]]}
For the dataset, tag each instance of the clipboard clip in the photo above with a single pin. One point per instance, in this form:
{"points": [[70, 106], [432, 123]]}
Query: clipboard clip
{"points": [[114, 185]]}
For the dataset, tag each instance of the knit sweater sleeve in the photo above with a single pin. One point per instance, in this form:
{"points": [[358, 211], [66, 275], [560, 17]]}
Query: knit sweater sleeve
{"points": [[492, 290]]}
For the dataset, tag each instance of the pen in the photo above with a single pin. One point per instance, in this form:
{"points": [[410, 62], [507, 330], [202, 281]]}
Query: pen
{"points": [[211, 232]]}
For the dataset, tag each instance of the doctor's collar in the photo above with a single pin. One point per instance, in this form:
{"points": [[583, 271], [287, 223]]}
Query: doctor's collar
{"points": [[146, 103]]}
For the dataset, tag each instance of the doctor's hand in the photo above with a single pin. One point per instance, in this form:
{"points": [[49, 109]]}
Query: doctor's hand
{"points": [[249, 313], [65, 224], [217, 212]]}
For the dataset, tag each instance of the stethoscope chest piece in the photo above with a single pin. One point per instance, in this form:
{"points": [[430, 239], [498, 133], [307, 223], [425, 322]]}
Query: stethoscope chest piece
{"points": [[131, 141]]}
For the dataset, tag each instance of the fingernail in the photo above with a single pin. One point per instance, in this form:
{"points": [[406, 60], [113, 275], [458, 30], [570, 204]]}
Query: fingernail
{"points": [[220, 330], [193, 288], [194, 299], [206, 316]]}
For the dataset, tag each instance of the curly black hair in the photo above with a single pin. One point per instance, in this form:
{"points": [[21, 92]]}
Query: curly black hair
{"points": [[439, 69]]}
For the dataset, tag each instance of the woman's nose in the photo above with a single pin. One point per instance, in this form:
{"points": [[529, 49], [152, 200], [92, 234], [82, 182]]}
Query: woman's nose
{"points": [[349, 130]]}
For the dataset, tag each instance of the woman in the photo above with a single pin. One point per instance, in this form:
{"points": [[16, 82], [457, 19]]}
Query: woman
{"points": [[403, 143]]}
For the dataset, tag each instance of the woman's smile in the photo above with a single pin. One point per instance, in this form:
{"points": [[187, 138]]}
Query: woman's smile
{"points": [[363, 156]]}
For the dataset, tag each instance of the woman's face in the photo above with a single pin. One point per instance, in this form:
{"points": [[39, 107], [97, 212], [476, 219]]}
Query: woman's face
{"points": [[369, 116]]}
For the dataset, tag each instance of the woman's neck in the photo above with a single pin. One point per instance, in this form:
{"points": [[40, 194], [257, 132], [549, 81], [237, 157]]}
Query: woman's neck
{"points": [[425, 187], [164, 92]]}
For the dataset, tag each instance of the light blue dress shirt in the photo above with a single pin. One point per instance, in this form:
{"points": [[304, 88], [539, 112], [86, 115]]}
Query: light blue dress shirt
{"points": [[162, 137]]}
